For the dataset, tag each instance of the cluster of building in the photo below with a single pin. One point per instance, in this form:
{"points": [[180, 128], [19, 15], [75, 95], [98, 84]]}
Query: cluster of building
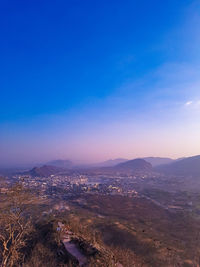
{"points": [[63, 187]]}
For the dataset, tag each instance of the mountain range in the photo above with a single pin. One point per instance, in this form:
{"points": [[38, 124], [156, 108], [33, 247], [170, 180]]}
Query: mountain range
{"points": [[184, 167], [154, 161], [130, 166]]}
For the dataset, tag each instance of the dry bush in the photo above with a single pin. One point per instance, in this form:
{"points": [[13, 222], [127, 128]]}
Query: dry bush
{"points": [[15, 227], [41, 256]]}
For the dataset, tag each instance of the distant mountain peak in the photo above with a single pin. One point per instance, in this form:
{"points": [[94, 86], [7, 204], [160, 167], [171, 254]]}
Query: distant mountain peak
{"points": [[135, 165]]}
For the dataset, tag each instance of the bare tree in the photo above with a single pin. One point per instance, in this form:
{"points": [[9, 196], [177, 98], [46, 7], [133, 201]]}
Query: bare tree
{"points": [[14, 225]]}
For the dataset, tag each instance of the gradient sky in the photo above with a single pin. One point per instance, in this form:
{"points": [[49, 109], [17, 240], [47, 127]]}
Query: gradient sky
{"points": [[92, 80]]}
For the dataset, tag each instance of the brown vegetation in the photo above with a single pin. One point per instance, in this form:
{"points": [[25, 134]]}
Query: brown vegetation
{"points": [[15, 227]]}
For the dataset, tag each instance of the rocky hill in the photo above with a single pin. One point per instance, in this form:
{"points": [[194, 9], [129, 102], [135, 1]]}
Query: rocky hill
{"points": [[45, 171], [135, 165]]}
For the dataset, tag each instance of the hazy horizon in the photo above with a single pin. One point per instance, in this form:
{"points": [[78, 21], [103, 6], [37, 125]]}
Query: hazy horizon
{"points": [[94, 81], [77, 162]]}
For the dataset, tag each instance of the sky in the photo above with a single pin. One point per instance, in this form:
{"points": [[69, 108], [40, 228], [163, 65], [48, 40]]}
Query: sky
{"points": [[93, 80]]}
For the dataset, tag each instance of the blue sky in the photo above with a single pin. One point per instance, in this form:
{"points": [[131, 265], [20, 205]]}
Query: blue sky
{"points": [[92, 80]]}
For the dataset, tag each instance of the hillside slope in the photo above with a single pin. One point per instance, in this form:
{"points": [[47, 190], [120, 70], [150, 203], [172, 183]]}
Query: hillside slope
{"points": [[185, 167], [156, 161]]}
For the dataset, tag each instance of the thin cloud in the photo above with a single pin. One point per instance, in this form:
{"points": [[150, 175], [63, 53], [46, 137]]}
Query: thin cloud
{"points": [[188, 103], [193, 104]]}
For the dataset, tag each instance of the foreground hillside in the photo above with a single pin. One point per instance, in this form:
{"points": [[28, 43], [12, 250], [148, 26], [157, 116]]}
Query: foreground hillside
{"points": [[157, 237]]}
